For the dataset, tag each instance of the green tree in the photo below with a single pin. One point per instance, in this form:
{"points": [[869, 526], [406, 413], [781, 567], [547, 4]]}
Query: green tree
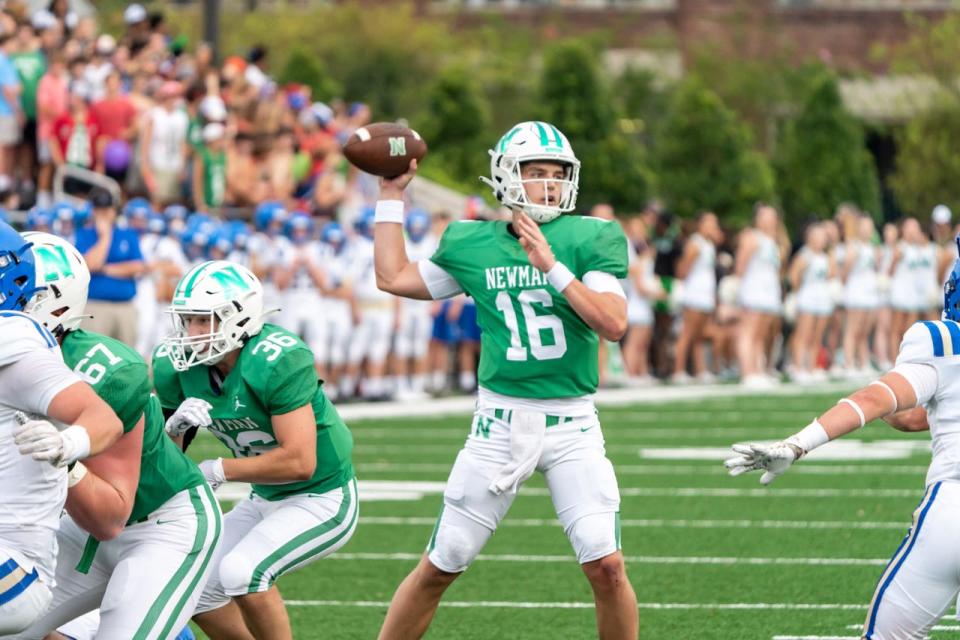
{"points": [[927, 165], [306, 69], [458, 126], [822, 159], [575, 98], [704, 159]]}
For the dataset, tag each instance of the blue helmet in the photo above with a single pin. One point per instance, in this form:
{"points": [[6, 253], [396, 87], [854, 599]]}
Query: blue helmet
{"points": [[951, 291], [3, 215], [239, 233], [137, 208], [332, 234], [269, 212], [174, 212], [63, 211], [18, 275], [298, 221], [221, 239], [39, 218], [417, 224], [364, 222], [157, 224], [82, 213]]}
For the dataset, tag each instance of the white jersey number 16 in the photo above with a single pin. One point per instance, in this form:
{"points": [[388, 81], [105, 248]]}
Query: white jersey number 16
{"points": [[535, 324]]}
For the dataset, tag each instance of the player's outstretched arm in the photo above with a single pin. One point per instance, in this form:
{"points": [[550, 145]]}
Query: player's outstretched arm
{"points": [[891, 393], [103, 487], [604, 311], [395, 273]]}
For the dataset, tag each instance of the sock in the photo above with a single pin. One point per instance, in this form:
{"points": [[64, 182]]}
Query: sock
{"points": [[468, 380]]}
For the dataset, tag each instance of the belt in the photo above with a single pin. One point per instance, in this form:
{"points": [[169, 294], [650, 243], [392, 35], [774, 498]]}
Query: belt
{"points": [[552, 421]]}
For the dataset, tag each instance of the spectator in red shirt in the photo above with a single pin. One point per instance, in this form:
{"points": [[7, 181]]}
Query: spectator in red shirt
{"points": [[52, 102], [116, 115], [77, 138]]}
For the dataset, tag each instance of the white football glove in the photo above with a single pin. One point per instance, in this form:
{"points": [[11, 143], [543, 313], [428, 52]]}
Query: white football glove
{"points": [[774, 459], [192, 412], [44, 442], [212, 470]]}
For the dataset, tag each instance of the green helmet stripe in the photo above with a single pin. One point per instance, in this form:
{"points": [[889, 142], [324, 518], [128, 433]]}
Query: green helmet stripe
{"points": [[544, 141], [505, 140], [190, 280], [556, 136]]}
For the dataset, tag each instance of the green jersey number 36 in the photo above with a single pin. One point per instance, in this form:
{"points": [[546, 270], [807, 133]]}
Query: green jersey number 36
{"points": [[536, 325]]}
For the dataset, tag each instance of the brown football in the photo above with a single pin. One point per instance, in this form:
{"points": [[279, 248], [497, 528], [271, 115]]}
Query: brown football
{"points": [[384, 148]]}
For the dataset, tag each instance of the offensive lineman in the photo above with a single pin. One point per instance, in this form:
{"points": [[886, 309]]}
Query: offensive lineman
{"points": [[923, 577], [144, 501], [33, 486], [541, 308], [254, 386]]}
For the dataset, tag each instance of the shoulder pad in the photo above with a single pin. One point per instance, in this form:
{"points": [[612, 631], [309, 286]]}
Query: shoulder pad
{"points": [[929, 339], [22, 335]]}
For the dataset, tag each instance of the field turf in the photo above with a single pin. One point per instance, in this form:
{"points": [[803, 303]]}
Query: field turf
{"points": [[709, 556]]}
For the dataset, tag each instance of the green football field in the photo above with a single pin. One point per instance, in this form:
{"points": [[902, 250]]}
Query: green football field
{"points": [[709, 556]]}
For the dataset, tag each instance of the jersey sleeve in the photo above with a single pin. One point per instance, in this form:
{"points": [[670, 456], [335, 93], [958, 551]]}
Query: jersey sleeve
{"points": [[291, 383], [127, 391], [165, 380], [22, 336], [607, 251], [923, 342], [31, 384], [446, 253]]}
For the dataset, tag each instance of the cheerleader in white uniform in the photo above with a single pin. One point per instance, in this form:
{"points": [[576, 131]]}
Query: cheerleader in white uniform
{"points": [[881, 337], [641, 288], [810, 274], [758, 267], [929, 282], [697, 268], [861, 296], [907, 299]]}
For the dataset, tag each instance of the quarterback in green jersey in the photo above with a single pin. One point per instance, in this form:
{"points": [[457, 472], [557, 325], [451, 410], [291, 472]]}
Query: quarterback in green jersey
{"points": [[546, 288], [141, 508], [254, 387]]}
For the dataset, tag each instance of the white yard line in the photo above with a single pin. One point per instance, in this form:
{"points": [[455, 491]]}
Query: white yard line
{"points": [[650, 560], [680, 606], [604, 398], [665, 524], [708, 467]]}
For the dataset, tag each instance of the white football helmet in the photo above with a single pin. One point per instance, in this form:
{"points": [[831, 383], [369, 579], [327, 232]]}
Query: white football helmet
{"points": [[230, 296], [526, 142], [65, 278]]}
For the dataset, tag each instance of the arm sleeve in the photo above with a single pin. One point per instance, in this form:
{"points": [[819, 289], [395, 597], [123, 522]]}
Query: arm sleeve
{"points": [[440, 283], [607, 251], [924, 379], [31, 384], [292, 383], [603, 282], [165, 381]]}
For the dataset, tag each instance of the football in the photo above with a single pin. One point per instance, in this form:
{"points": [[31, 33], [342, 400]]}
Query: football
{"points": [[384, 148]]}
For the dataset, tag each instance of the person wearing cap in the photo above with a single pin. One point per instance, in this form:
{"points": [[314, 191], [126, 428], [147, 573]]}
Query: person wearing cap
{"points": [[77, 138], [115, 260], [100, 66], [163, 146], [11, 116], [210, 169]]}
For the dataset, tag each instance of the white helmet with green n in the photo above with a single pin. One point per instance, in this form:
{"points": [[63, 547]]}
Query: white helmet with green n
{"points": [[527, 142], [232, 299], [64, 279]]}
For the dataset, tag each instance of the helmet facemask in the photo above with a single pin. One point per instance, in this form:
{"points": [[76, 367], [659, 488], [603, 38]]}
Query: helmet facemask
{"points": [[206, 348]]}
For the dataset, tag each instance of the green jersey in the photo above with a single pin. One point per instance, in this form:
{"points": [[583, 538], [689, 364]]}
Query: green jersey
{"points": [[533, 344], [214, 175], [119, 375], [273, 375], [31, 65]]}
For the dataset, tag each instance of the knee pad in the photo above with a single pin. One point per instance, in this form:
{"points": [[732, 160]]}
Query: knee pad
{"points": [[236, 575], [456, 546], [595, 536]]}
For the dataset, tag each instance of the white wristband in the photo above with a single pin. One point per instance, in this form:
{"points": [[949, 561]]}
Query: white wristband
{"points": [[559, 276], [389, 211], [76, 444], [76, 474], [810, 437]]}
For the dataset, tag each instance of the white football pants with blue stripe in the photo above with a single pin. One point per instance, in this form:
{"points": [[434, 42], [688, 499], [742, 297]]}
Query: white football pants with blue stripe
{"points": [[923, 577], [24, 590]]}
